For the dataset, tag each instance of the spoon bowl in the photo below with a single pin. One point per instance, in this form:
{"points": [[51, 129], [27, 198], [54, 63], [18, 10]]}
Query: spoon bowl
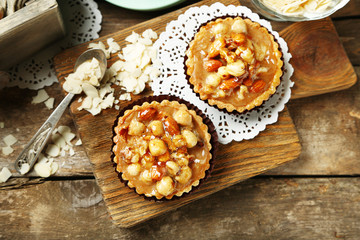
{"points": [[90, 54]]}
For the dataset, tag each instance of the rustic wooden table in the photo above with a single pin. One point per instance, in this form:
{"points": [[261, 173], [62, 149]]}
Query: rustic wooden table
{"points": [[317, 196]]}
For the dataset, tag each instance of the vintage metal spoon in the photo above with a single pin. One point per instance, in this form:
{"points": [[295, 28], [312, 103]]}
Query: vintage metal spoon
{"points": [[33, 148]]}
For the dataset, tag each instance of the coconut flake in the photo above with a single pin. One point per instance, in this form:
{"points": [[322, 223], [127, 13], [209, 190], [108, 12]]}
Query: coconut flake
{"points": [[125, 96], [2, 124], [149, 33], [7, 150], [50, 103], [58, 140], [9, 140], [5, 174], [71, 152], [24, 168], [63, 129], [42, 158], [68, 136], [90, 90], [113, 46], [52, 150], [41, 96], [43, 169], [78, 142], [54, 167]]}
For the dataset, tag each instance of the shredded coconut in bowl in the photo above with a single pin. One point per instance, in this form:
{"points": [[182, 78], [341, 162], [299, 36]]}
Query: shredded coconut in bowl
{"points": [[310, 9]]}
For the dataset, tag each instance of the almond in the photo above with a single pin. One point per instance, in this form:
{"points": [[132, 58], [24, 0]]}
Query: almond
{"points": [[147, 113], [212, 65], [258, 86], [230, 84], [216, 46]]}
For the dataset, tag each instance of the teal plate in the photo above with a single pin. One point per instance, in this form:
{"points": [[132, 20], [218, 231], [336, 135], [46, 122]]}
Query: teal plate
{"points": [[145, 5]]}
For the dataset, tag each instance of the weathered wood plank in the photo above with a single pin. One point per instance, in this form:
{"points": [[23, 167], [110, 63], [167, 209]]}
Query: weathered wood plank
{"points": [[310, 208], [319, 60], [348, 30], [328, 128]]}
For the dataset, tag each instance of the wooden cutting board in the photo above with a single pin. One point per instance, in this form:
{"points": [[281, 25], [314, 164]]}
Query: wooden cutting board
{"points": [[236, 161]]}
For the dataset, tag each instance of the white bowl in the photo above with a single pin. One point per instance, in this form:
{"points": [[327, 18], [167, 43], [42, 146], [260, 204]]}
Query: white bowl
{"points": [[276, 16]]}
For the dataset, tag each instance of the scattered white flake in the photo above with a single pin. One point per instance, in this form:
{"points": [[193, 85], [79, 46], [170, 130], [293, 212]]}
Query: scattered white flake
{"points": [[50, 103], [66, 148], [5, 174], [121, 56], [113, 46], [17, 129], [149, 33], [94, 110], [133, 38], [9, 140], [2, 124], [41, 96], [43, 169], [54, 167], [117, 107], [80, 99], [52, 150], [24, 168], [90, 90], [7, 150], [63, 129], [42, 158], [71, 152], [125, 96], [68, 136], [116, 101], [78, 142], [87, 104], [58, 140], [62, 153]]}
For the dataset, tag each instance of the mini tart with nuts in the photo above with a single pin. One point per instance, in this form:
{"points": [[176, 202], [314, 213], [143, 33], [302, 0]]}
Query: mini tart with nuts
{"points": [[161, 149], [234, 63]]}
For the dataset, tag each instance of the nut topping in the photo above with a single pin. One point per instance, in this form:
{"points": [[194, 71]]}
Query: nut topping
{"points": [[155, 148]]}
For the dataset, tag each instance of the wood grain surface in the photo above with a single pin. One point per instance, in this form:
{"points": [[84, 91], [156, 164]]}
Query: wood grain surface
{"points": [[310, 203], [281, 209], [318, 57]]}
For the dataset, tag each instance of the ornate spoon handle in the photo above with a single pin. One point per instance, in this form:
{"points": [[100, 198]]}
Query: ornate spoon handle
{"points": [[33, 148]]}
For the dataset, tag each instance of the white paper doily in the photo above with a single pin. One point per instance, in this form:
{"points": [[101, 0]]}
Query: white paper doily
{"points": [[82, 20], [172, 45]]}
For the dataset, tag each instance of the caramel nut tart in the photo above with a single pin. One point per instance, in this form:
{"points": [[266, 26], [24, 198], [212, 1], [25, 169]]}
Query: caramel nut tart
{"points": [[234, 63], [162, 149]]}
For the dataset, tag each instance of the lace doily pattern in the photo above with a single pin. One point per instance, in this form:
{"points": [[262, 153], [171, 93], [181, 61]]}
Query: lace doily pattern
{"points": [[82, 20], [172, 45]]}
